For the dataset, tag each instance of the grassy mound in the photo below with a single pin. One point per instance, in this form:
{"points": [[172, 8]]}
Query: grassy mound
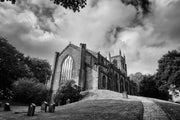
{"points": [[96, 105], [101, 94], [171, 109], [105, 109]]}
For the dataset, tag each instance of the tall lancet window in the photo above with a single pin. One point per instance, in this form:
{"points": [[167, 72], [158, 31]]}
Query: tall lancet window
{"points": [[67, 68]]}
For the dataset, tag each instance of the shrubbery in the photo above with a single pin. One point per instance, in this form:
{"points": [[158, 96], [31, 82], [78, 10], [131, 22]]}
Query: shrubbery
{"points": [[68, 90], [29, 90], [15, 65]]}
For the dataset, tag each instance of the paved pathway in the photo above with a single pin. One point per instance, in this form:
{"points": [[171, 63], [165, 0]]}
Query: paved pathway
{"points": [[152, 111]]}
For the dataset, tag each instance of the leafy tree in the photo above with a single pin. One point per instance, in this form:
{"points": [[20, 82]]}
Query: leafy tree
{"points": [[148, 87], [41, 69], [28, 90], [68, 90], [12, 66], [74, 5], [137, 78], [169, 70]]}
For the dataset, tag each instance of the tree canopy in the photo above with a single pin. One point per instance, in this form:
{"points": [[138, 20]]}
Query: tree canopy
{"points": [[15, 65], [169, 70], [74, 5], [68, 90], [41, 69], [149, 88], [137, 77], [11, 62], [167, 75]]}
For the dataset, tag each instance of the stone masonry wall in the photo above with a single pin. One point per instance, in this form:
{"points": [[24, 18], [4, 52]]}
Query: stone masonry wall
{"points": [[75, 54]]}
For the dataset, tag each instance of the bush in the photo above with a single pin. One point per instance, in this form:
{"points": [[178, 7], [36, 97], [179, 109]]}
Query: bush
{"points": [[6, 94], [29, 90], [68, 90]]}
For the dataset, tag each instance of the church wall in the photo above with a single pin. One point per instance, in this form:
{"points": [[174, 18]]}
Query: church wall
{"points": [[75, 54], [91, 78], [114, 78], [91, 72]]}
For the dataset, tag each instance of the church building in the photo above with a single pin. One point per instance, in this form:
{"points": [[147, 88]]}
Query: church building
{"points": [[91, 70]]}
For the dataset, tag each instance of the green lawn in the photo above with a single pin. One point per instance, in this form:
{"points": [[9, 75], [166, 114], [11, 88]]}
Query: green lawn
{"points": [[171, 109], [85, 110]]}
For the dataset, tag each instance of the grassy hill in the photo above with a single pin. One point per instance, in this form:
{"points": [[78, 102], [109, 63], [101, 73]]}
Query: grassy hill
{"points": [[96, 105]]}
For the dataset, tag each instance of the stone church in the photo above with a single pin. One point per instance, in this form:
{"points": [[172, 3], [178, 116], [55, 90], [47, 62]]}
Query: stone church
{"points": [[91, 70]]}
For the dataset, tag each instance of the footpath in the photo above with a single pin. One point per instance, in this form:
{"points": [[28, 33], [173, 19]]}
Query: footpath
{"points": [[152, 111]]}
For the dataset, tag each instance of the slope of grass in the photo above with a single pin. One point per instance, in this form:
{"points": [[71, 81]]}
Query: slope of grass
{"points": [[87, 110], [171, 109]]}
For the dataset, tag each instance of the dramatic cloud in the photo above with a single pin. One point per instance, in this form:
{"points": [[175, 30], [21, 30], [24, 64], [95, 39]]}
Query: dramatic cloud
{"points": [[39, 28]]}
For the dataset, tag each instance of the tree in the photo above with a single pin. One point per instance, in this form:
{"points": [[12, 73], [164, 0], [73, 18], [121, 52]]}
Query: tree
{"points": [[28, 90], [137, 78], [68, 90], [168, 71], [41, 69], [12, 65], [74, 5], [15, 65], [148, 88]]}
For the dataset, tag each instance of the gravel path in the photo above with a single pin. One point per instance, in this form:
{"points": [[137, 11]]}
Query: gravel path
{"points": [[152, 111]]}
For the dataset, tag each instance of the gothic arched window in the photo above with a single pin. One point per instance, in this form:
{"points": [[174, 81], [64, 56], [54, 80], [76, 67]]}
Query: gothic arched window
{"points": [[109, 84], [103, 82], [116, 82], [67, 68]]}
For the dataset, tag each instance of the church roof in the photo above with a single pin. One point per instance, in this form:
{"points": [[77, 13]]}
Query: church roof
{"points": [[90, 51]]}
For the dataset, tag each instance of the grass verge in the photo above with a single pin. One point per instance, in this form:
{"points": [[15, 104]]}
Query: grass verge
{"points": [[88, 110], [171, 109]]}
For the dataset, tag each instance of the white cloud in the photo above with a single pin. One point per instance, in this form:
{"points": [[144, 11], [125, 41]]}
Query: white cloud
{"points": [[39, 28]]}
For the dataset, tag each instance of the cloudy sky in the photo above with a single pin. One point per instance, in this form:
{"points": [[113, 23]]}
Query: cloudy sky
{"points": [[38, 28]]}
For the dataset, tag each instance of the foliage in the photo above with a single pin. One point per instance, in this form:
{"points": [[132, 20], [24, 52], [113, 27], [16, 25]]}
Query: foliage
{"points": [[12, 65], [41, 69], [74, 5], [28, 90], [148, 87], [6, 94], [169, 70], [15, 65], [168, 73], [68, 90], [173, 91], [136, 78]]}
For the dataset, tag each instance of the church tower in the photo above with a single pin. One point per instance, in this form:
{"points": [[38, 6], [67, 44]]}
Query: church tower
{"points": [[119, 61]]}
